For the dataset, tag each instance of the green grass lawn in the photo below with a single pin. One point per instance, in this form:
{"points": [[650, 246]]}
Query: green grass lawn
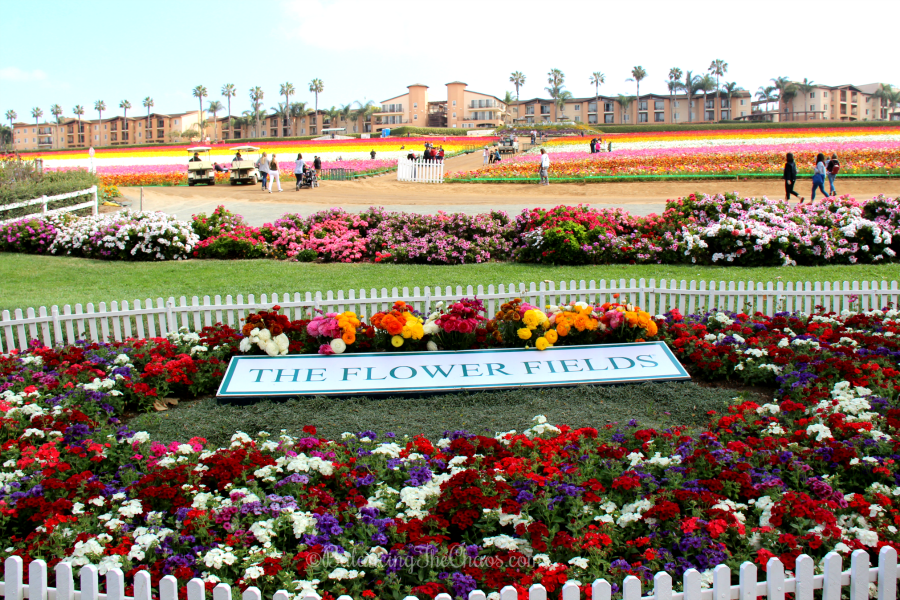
{"points": [[27, 280], [657, 405]]}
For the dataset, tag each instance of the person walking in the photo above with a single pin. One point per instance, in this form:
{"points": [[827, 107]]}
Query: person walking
{"points": [[93, 169], [544, 169], [593, 145], [484, 154], [299, 167], [263, 166], [372, 154], [317, 165], [274, 177], [790, 178], [819, 177], [832, 169]]}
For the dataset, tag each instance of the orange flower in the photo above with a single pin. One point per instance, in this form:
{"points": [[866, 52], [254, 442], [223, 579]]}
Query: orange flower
{"points": [[562, 329], [392, 324], [349, 337]]}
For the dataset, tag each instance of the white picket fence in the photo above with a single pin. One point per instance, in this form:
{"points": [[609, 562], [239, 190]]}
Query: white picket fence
{"points": [[149, 318], [776, 586], [420, 171], [44, 200]]}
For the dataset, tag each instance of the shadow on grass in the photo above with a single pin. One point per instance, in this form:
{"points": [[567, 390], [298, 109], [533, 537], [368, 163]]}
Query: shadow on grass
{"points": [[656, 405]]}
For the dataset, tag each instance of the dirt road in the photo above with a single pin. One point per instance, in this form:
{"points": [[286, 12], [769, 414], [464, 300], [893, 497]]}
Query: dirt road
{"points": [[640, 198]]}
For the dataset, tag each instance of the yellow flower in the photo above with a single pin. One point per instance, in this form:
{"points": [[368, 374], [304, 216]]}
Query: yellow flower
{"points": [[551, 336], [524, 333], [531, 318], [542, 343], [396, 341]]}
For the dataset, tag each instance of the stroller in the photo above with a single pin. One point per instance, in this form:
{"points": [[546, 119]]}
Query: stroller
{"points": [[308, 179]]}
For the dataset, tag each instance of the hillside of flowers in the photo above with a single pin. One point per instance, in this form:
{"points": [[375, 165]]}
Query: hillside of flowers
{"points": [[167, 165], [373, 515], [861, 151], [697, 229]]}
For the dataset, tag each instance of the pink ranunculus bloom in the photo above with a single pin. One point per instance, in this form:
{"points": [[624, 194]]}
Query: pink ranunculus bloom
{"points": [[326, 349]]}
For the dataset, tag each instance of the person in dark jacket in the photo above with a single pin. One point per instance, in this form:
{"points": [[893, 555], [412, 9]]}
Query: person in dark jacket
{"points": [[831, 169], [790, 178], [317, 164]]}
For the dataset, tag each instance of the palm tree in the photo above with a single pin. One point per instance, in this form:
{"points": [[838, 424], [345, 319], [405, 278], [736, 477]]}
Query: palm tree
{"points": [[766, 94], [729, 90], [57, 111], [561, 99], [148, 104], [706, 84], [555, 78], [280, 112], [229, 91], [287, 90], [256, 98], [11, 116], [333, 115], [690, 86], [99, 106], [78, 111], [37, 113], [517, 78], [718, 67], [805, 87], [125, 105], [624, 102], [889, 96], [317, 87], [214, 108], [365, 111], [637, 74], [200, 93], [597, 78], [299, 109], [674, 84], [786, 89]]}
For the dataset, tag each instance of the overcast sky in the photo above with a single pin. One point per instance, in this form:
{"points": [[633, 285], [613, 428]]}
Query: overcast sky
{"points": [[79, 51]]}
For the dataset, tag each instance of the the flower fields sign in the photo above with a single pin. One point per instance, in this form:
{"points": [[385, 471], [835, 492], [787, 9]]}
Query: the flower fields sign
{"points": [[386, 372]]}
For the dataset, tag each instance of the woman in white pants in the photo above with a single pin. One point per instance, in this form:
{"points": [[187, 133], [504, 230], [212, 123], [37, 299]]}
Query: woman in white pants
{"points": [[273, 175]]}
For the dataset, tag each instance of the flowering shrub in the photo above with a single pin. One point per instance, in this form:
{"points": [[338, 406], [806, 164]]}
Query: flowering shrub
{"points": [[696, 229], [814, 470]]}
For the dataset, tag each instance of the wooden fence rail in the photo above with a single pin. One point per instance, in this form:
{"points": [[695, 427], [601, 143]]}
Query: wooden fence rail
{"points": [[156, 318], [93, 204], [776, 585], [420, 171]]}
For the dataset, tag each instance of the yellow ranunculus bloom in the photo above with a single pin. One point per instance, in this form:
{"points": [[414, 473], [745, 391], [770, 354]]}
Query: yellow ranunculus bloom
{"points": [[396, 341], [551, 336], [418, 331], [524, 333], [652, 329], [531, 318], [542, 343]]}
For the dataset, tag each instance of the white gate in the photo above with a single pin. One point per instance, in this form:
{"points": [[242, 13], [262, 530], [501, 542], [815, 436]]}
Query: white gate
{"points": [[420, 171]]}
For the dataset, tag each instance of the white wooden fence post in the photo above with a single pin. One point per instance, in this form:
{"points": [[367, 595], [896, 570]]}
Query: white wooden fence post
{"points": [[96, 208], [831, 583], [570, 591], [887, 573], [115, 584], [774, 580], [601, 590], [37, 580], [631, 588], [537, 592], [12, 578], [142, 586], [90, 583], [65, 583], [168, 588], [221, 592], [859, 575]]}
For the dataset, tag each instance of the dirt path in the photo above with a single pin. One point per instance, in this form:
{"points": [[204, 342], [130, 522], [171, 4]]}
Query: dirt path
{"points": [[639, 198]]}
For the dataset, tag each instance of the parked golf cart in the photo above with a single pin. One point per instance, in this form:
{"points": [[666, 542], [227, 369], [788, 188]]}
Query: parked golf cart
{"points": [[201, 171], [244, 170]]}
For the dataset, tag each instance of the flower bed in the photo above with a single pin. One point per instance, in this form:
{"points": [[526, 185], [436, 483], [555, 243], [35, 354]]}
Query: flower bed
{"points": [[868, 151], [373, 516], [696, 230]]}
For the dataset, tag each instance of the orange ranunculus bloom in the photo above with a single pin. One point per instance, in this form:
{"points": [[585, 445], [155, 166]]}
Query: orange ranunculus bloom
{"points": [[652, 329], [562, 329], [392, 324], [581, 322], [349, 337], [377, 318]]}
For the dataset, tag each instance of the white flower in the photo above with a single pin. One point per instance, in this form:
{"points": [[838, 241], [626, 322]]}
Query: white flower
{"points": [[338, 345], [581, 563], [282, 342], [431, 346]]}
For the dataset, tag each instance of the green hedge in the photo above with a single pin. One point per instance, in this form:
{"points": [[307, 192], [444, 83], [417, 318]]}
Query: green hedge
{"points": [[48, 184]]}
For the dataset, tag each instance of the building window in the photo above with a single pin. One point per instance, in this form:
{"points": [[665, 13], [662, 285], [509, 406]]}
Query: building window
{"points": [[658, 105], [415, 117], [592, 118], [642, 117], [608, 107], [454, 103], [626, 118], [726, 115], [742, 101], [743, 113], [710, 115], [577, 107], [415, 105], [676, 116], [824, 94], [659, 117], [642, 105], [529, 110], [812, 107], [592, 107], [577, 119], [545, 110], [812, 94], [724, 103], [676, 104]]}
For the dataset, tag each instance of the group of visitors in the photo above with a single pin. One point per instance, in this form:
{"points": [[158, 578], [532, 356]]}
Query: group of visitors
{"points": [[597, 146], [269, 173], [820, 172], [535, 135], [430, 153], [491, 155]]}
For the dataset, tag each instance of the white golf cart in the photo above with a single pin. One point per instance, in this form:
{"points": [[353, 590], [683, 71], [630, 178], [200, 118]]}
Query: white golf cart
{"points": [[244, 170], [201, 170]]}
